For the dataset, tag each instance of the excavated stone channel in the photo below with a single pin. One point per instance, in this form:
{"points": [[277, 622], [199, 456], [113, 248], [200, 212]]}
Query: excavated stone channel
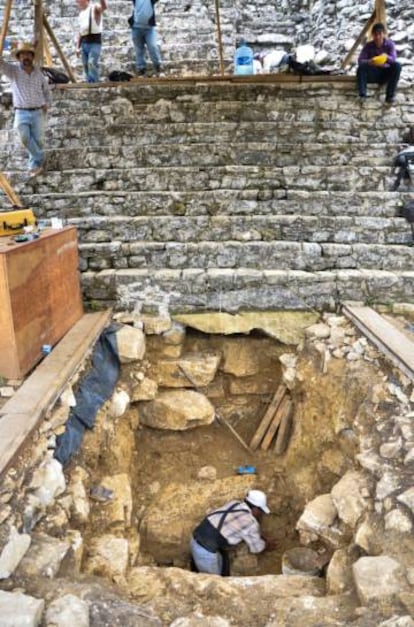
{"points": [[106, 539]]}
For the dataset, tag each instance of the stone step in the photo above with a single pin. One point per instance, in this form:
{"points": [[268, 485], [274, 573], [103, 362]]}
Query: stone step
{"points": [[251, 228], [242, 202], [193, 179], [214, 154], [281, 255], [217, 289]]}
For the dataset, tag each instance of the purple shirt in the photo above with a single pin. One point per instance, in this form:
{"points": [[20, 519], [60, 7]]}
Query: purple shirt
{"points": [[370, 50]]}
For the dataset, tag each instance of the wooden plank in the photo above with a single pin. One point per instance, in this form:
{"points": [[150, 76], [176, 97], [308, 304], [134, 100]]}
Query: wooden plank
{"points": [[59, 50], [387, 338], [274, 425], [285, 430], [23, 412], [267, 418], [219, 418], [9, 191], [5, 24]]}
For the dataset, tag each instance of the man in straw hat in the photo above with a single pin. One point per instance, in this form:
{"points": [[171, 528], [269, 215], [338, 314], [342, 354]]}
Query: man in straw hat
{"points": [[31, 100], [227, 526]]}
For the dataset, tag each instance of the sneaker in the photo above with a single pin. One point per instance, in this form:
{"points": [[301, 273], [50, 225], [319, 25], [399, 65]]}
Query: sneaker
{"points": [[390, 102], [36, 171], [141, 72], [158, 71]]}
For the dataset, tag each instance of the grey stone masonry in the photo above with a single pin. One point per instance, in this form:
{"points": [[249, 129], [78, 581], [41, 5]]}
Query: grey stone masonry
{"points": [[225, 195]]}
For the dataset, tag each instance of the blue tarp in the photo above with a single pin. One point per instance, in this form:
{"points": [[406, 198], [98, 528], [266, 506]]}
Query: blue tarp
{"points": [[95, 388]]}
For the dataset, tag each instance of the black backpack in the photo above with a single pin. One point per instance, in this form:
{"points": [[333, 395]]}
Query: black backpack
{"points": [[309, 68], [118, 76], [55, 76], [402, 161]]}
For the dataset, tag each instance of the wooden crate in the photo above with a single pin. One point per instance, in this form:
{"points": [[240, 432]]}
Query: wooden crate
{"points": [[40, 297]]}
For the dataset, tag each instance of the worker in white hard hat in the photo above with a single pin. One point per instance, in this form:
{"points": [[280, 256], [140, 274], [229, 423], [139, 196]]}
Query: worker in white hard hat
{"points": [[235, 522]]}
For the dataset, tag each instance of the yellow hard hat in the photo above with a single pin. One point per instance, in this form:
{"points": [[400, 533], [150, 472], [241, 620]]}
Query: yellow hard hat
{"points": [[379, 59]]}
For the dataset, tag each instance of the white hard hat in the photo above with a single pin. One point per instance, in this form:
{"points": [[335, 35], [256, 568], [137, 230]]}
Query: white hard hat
{"points": [[258, 499]]}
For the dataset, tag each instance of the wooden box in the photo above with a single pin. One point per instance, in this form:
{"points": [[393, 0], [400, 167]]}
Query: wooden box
{"points": [[40, 297]]}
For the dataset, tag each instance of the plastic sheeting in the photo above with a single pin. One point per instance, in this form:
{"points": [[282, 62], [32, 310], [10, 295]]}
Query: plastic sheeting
{"points": [[95, 388]]}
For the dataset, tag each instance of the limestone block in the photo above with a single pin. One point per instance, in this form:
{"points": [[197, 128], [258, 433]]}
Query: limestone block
{"points": [[119, 403], [119, 509], [48, 481], [388, 483], [201, 369], [339, 573], [145, 390], [177, 410], [107, 556], [80, 501], [318, 331], [407, 498], [318, 516], [13, 552], [199, 620], [20, 609], [175, 335], [44, 556], [378, 579], [240, 358], [165, 531], [398, 621], [156, 325], [130, 344], [348, 499], [396, 520], [67, 611], [369, 534]]}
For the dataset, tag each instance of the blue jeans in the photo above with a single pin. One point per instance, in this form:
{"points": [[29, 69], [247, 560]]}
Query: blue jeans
{"points": [[372, 74], [30, 126], [90, 59], [146, 36], [205, 561]]}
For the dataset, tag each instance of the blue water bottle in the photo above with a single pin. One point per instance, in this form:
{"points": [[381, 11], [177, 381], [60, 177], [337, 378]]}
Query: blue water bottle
{"points": [[243, 59]]}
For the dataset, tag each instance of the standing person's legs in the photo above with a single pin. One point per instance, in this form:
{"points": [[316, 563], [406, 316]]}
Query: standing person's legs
{"points": [[30, 126], [138, 39], [393, 76], [153, 49], [90, 60], [205, 561]]}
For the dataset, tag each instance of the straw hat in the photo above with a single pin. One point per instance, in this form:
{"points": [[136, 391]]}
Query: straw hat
{"points": [[25, 46]]}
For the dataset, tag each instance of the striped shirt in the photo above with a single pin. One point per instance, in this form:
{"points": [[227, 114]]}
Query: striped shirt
{"points": [[239, 526], [29, 91]]}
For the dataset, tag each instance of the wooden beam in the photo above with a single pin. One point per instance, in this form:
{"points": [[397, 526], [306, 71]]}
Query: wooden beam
{"points": [[359, 40], [381, 12], [267, 418], [58, 49], [38, 31], [219, 40], [46, 50], [274, 425], [5, 25], [9, 191], [285, 430]]}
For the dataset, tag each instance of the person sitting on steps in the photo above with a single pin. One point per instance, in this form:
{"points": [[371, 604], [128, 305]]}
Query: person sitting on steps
{"points": [[378, 63], [235, 522]]}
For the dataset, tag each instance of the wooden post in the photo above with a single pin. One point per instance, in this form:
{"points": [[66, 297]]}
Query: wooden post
{"points": [[9, 191], [38, 31], [58, 49], [274, 425], [381, 12], [5, 25], [284, 431], [46, 50], [220, 44], [267, 418]]}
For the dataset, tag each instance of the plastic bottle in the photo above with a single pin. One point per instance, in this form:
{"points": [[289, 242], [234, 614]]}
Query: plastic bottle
{"points": [[243, 59]]}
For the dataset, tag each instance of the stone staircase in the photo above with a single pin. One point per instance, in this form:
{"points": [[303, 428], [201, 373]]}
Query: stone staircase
{"points": [[220, 195]]}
